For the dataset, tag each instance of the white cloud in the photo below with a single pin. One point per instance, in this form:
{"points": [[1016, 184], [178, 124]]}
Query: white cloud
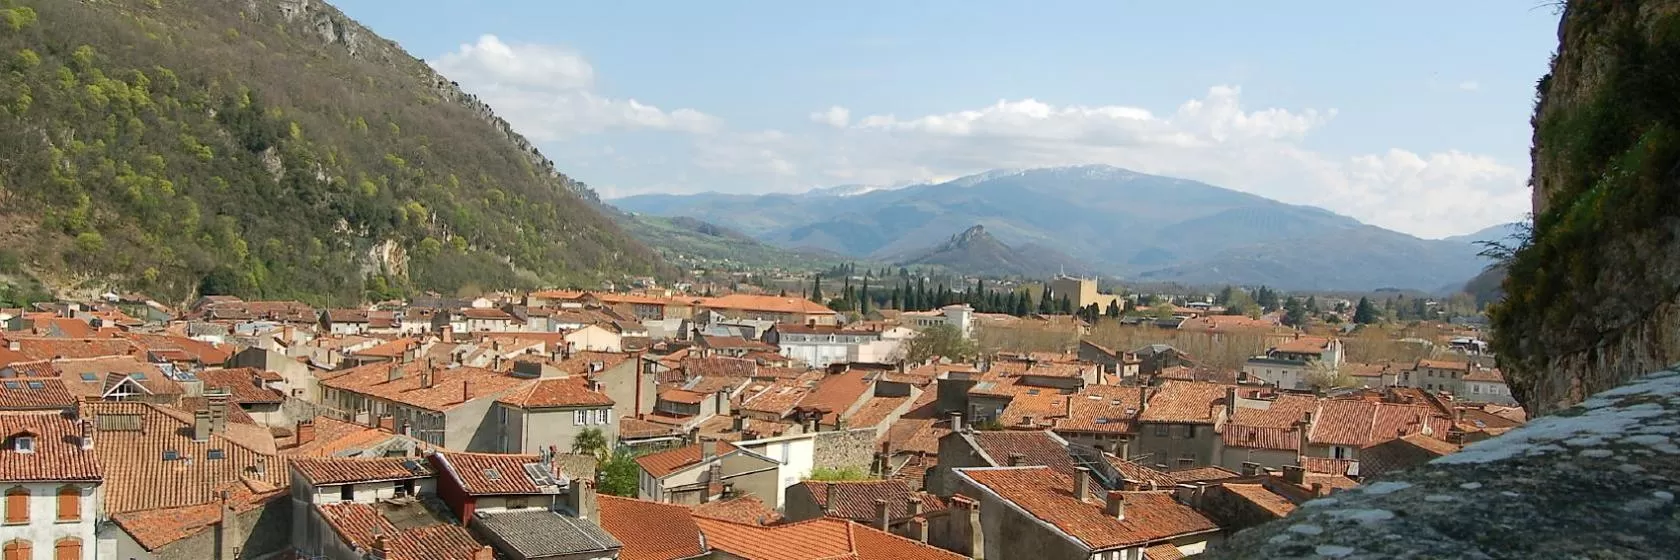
{"points": [[548, 93], [835, 116], [1469, 85], [1212, 138]]}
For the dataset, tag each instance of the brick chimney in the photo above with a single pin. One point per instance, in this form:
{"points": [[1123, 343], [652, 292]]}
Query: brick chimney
{"points": [[882, 514], [1130, 485], [305, 431], [1294, 474], [1116, 505], [1017, 459], [913, 504], [1081, 483], [218, 406], [447, 334]]}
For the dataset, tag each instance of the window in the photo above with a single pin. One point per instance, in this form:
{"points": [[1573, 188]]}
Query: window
{"points": [[17, 549], [24, 444], [69, 503], [1339, 452], [17, 506], [1160, 430], [580, 417], [404, 487], [1189, 432], [68, 548], [347, 493]]}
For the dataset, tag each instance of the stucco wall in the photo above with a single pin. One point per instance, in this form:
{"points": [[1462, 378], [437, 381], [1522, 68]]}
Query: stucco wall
{"points": [[43, 530], [1168, 449]]}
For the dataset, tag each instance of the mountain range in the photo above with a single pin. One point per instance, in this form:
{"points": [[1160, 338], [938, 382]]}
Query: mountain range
{"points": [[976, 252], [1116, 221]]}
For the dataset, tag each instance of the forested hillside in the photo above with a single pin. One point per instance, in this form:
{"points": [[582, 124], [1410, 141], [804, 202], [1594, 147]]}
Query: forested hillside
{"points": [[270, 149]]}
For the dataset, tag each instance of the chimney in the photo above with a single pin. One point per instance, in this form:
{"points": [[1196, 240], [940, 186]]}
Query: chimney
{"points": [[714, 475], [956, 421], [228, 532], [393, 373], [1026, 420], [1143, 397], [913, 505], [582, 500], [466, 390], [1116, 505], [388, 423], [1017, 459], [737, 423], [976, 533], [201, 425], [448, 333], [484, 553], [882, 521], [1318, 489], [1230, 400], [708, 448], [305, 432], [14, 345], [1130, 485], [380, 545], [1081, 483], [1250, 469], [1294, 474], [87, 433], [218, 404]]}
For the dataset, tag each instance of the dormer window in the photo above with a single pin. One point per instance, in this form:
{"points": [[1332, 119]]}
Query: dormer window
{"points": [[23, 444]]}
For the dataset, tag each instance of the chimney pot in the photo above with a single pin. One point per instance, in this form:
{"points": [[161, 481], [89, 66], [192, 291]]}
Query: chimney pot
{"points": [[1250, 469], [1294, 474], [882, 514], [1116, 504]]}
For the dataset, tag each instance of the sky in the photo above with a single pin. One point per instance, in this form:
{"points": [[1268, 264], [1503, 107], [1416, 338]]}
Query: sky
{"points": [[1407, 115]]}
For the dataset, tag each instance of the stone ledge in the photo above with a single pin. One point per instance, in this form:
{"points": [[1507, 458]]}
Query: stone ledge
{"points": [[1597, 480]]}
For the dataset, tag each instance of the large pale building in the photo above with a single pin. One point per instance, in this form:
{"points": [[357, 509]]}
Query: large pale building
{"points": [[1082, 291]]}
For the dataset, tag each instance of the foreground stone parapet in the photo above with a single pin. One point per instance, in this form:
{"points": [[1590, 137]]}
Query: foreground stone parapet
{"points": [[1597, 480]]}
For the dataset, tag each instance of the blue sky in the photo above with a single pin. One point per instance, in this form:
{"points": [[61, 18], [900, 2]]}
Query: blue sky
{"points": [[1408, 115]]}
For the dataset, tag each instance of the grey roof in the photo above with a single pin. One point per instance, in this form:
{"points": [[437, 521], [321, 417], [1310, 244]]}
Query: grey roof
{"points": [[1155, 349], [544, 533]]}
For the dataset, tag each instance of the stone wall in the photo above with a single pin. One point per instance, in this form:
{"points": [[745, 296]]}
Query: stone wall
{"points": [[264, 532], [845, 448], [1597, 480]]}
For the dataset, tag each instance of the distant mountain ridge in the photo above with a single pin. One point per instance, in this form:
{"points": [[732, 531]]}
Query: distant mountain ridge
{"points": [[976, 252], [1117, 221]]}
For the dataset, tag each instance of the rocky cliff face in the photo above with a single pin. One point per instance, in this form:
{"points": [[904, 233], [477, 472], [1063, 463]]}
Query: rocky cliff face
{"points": [[1593, 299], [335, 28]]}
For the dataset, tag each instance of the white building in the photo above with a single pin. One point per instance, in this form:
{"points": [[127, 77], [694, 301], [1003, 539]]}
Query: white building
{"points": [[960, 316], [52, 483], [1289, 365], [820, 345]]}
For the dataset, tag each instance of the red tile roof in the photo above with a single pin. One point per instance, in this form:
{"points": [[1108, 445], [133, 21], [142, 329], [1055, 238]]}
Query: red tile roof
{"points": [[1035, 447], [359, 524], [767, 304], [35, 393], [1150, 516], [57, 454], [1163, 551], [1262, 498], [1185, 402], [244, 385], [835, 393], [815, 539], [449, 384], [855, 500], [483, 474], [650, 530], [155, 528], [1201, 474], [719, 366], [745, 509], [1273, 427], [1362, 423], [133, 441], [632, 428], [556, 393], [1101, 409], [40, 348], [332, 436], [1140, 473], [672, 460], [1304, 345], [203, 352], [344, 470], [1443, 364], [778, 398]]}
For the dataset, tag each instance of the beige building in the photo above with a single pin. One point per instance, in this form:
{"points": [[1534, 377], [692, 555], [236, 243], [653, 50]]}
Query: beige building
{"points": [[1082, 291]]}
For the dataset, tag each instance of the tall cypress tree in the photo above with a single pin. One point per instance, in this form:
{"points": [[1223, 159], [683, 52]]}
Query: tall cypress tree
{"points": [[863, 298], [894, 302], [1066, 306], [816, 290], [1021, 308], [922, 298], [1045, 299]]}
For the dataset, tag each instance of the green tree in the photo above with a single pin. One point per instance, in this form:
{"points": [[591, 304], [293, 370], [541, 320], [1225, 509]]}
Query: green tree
{"points": [[1046, 301], [863, 297], [1312, 304], [618, 475], [939, 341], [1114, 309], [1365, 313], [837, 474], [1020, 306], [1295, 312], [591, 441], [816, 290], [1323, 375], [1065, 307]]}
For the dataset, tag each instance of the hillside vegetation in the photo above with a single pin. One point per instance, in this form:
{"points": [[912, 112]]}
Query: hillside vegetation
{"points": [[177, 147]]}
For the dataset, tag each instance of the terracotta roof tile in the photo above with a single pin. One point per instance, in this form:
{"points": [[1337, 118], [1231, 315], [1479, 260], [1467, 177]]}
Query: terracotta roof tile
{"points": [[40, 348], [1402, 453], [139, 444], [1150, 516], [768, 304], [343, 470], [57, 453], [1304, 345], [449, 384], [1102, 409], [874, 411], [718, 366], [553, 393], [1035, 447], [1201, 474], [1443, 364], [650, 530], [332, 436], [1163, 551], [1140, 473], [672, 460], [494, 473], [1362, 423], [778, 398], [855, 500], [835, 393], [204, 352], [815, 539], [1262, 498], [243, 385], [35, 393], [745, 509], [155, 528], [358, 524], [1185, 402], [632, 428], [683, 396]]}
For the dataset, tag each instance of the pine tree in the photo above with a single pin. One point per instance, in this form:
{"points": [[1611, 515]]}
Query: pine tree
{"points": [[816, 290], [1312, 304], [1021, 307], [1066, 306], [1045, 307], [1365, 313], [895, 302], [923, 300], [1114, 309]]}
